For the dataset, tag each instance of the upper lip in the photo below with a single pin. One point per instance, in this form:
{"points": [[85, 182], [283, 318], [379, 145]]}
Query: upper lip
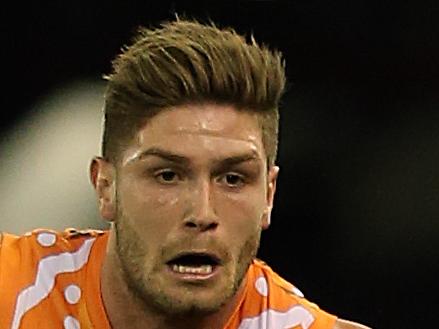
{"points": [[212, 256]]}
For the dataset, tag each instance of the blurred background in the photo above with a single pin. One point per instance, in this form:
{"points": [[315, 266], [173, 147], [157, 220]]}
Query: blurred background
{"points": [[355, 223]]}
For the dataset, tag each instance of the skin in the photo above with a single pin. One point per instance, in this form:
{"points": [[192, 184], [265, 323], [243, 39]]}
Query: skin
{"points": [[194, 179]]}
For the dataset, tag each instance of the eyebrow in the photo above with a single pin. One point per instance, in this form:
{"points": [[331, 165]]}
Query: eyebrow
{"points": [[160, 153], [182, 160]]}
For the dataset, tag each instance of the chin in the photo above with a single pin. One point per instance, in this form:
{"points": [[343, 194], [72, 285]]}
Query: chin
{"points": [[193, 308], [186, 300]]}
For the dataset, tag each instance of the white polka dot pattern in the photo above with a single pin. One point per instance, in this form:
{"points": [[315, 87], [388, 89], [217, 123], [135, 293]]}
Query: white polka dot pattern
{"points": [[71, 323], [46, 239], [48, 269], [295, 317], [262, 286], [72, 294], [297, 292]]}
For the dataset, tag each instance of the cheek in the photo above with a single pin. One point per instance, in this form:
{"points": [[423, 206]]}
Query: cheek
{"points": [[243, 212], [167, 199], [252, 201], [149, 209]]}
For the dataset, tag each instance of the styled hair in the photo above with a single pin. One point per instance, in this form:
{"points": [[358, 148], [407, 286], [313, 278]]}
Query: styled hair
{"points": [[186, 62]]}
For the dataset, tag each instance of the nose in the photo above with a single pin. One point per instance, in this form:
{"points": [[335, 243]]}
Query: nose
{"points": [[201, 213]]}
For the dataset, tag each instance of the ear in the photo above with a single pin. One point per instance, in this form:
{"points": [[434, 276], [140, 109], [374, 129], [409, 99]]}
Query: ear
{"points": [[102, 177], [272, 174]]}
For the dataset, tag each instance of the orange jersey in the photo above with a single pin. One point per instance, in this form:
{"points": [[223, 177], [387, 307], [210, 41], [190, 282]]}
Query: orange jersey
{"points": [[51, 280]]}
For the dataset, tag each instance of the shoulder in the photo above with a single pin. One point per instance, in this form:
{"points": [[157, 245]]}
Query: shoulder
{"points": [[38, 266], [20, 250], [285, 300], [283, 293], [1, 240], [344, 324]]}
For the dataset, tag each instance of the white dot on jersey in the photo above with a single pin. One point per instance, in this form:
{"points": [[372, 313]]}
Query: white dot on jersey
{"points": [[72, 294], [46, 239], [297, 292], [71, 323], [262, 286]]}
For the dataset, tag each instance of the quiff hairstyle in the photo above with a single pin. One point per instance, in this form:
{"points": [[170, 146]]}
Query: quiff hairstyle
{"points": [[185, 62]]}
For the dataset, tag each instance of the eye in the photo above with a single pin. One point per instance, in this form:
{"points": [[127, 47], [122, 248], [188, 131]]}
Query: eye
{"points": [[233, 180], [166, 176]]}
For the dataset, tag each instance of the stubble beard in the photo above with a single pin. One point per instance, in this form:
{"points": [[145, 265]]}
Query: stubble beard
{"points": [[153, 297]]}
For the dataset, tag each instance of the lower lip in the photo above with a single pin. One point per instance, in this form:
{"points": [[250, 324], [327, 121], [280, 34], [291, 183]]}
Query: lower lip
{"points": [[195, 277]]}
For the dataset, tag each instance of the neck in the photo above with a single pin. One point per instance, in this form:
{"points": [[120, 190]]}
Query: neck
{"points": [[125, 310]]}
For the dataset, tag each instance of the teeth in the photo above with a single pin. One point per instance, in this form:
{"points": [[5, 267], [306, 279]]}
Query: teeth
{"points": [[202, 269]]}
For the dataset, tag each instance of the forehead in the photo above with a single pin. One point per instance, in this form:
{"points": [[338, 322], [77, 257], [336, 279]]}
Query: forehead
{"points": [[200, 127]]}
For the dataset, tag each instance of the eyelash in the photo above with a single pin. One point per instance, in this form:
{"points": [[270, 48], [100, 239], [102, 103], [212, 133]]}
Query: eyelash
{"points": [[241, 178], [157, 174]]}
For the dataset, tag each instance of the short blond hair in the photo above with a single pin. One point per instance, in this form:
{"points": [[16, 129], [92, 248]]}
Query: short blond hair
{"points": [[184, 62]]}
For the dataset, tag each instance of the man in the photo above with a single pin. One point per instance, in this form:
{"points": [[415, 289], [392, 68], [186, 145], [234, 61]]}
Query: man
{"points": [[187, 179]]}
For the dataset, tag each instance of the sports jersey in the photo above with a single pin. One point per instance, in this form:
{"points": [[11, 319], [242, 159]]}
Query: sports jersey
{"points": [[51, 280]]}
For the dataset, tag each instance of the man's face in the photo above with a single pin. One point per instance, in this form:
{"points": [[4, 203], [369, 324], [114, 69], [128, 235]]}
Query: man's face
{"points": [[193, 194]]}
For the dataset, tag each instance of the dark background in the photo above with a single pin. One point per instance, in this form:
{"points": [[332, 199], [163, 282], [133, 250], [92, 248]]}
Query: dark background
{"points": [[355, 222]]}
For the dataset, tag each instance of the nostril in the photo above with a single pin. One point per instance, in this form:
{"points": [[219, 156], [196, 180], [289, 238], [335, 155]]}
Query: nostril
{"points": [[202, 225], [191, 224], [211, 226]]}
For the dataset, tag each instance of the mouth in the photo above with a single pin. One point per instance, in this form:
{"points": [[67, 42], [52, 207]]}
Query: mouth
{"points": [[194, 264]]}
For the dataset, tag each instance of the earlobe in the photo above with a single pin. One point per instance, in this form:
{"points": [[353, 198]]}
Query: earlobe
{"points": [[272, 174], [102, 178], [266, 218]]}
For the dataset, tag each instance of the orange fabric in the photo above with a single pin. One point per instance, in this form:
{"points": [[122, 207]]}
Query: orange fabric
{"points": [[51, 280]]}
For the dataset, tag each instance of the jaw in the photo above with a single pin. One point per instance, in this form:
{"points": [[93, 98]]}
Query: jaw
{"points": [[214, 319], [174, 293], [118, 293]]}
